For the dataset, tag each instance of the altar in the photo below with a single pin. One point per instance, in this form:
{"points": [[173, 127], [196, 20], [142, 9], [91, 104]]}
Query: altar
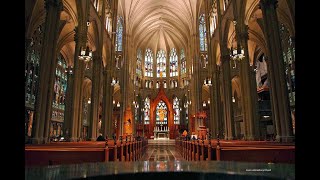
{"points": [[161, 133]]}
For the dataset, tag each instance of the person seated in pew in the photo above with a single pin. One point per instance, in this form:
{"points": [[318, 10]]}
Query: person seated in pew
{"points": [[100, 138]]}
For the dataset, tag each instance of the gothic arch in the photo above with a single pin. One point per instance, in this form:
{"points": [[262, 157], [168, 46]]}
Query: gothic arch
{"points": [[153, 104]]}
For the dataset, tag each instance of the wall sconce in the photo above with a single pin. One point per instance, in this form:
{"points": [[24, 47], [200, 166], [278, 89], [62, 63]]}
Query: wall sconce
{"points": [[69, 70], [89, 101], [204, 104], [233, 99], [118, 104], [209, 101], [113, 102]]}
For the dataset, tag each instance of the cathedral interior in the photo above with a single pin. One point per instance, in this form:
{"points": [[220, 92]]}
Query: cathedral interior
{"points": [[163, 84]]}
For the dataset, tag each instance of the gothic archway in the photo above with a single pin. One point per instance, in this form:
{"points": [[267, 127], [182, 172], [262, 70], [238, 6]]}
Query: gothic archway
{"points": [[161, 97]]}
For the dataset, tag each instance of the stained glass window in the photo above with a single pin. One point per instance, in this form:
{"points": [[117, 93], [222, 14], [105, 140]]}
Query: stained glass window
{"points": [[202, 33], [173, 83], [148, 63], [173, 63], [161, 63], [32, 71], [138, 65], [183, 62], [138, 68], [59, 90], [96, 4], [289, 67], [176, 111], [32, 66], [147, 111], [119, 33], [225, 4], [161, 113]]}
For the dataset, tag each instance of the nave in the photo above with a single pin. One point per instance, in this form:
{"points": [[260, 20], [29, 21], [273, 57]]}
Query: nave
{"points": [[161, 151]]}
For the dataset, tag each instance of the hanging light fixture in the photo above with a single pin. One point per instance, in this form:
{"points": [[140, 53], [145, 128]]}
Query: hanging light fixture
{"points": [[118, 104], [89, 101], [114, 81], [69, 70], [237, 53], [85, 54], [204, 104], [207, 82]]}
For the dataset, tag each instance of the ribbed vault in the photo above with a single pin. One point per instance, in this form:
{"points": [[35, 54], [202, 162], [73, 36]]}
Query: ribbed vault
{"points": [[160, 24]]}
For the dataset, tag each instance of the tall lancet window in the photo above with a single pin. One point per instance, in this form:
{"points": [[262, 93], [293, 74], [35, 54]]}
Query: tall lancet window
{"points": [[202, 33], [183, 62], [173, 63], [161, 63], [31, 76], [59, 96], [119, 33], [176, 111], [138, 68], [32, 67], [147, 110], [148, 63], [288, 48], [161, 113], [213, 18]]}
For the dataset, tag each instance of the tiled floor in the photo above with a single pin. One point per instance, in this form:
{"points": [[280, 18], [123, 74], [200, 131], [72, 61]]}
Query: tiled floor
{"points": [[161, 152]]}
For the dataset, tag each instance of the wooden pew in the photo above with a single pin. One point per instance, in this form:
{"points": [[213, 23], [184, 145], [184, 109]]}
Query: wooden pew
{"points": [[247, 151], [80, 152]]}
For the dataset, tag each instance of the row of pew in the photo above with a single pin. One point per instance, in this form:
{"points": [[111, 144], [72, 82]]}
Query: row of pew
{"points": [[87, 151], [234, 150]]}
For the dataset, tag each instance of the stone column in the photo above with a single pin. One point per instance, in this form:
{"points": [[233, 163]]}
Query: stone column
{"points": [[215, 102], [76, 81], [67, 115], [94, 116], [48, 64], [247, 90], [276, 73], [107, 103], [227, 92], [78, 123]]}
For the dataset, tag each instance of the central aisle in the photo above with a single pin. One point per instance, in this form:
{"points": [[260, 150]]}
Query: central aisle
{"points": [[161, 150]]}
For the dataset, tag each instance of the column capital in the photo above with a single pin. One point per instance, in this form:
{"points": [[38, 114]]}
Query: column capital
{"points": [[268, 4]]}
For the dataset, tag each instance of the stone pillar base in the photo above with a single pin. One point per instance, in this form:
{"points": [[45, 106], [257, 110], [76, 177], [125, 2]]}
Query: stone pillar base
{"points": [[230, 138], [285, 139], [250, 138], [74, 139], [36, 140]]}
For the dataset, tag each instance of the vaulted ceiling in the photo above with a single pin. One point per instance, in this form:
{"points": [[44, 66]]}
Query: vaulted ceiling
{"points": [[160, 24]]}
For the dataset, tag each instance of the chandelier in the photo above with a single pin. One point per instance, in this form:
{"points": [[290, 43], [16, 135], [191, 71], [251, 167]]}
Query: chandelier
{"points": [[207, 82], [85, 54], [237, 53]]}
